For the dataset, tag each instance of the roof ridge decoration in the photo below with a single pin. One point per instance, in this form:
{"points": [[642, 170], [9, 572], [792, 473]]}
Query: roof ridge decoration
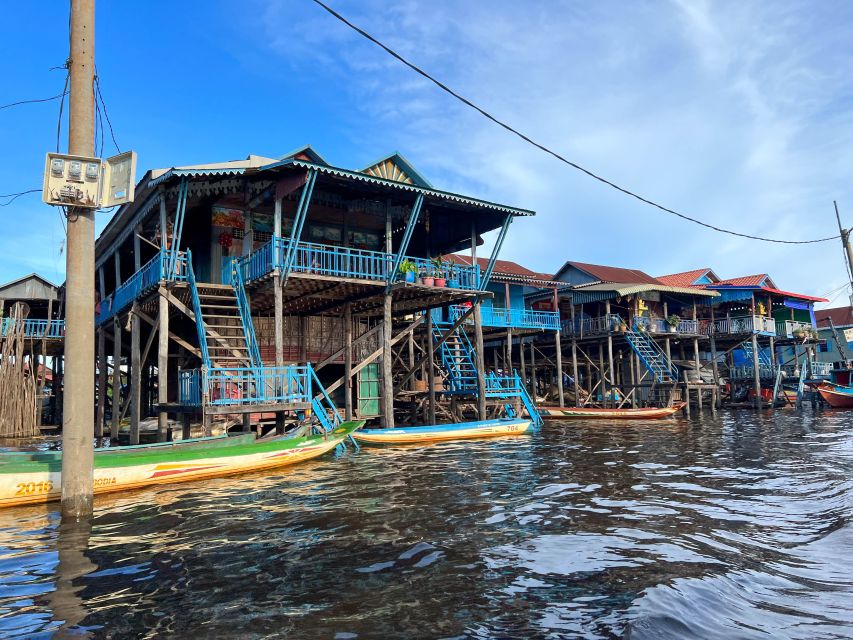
{"points": [[306, 152], [395, 167]]}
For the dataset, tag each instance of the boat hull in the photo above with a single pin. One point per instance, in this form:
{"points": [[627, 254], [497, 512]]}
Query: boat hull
{"points": [[26, 481], [438, 433], [555, 413], [836, 396]]}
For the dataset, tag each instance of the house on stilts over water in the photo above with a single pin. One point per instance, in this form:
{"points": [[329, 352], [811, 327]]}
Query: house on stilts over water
{"points": [[267, 290]]}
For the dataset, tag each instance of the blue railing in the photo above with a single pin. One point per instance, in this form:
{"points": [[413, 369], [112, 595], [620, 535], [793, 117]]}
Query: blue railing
{"points": [[513, 318], [47, 329], [258, 385], [507, 387], [141, 282], [343, 262], [236, 280], [199, 320], [189, 387]]}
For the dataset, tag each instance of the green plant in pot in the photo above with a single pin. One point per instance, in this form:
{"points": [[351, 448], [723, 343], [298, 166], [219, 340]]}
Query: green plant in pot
{"points": [[438, 270], [672, 322], [427, 277], [408, 269]]}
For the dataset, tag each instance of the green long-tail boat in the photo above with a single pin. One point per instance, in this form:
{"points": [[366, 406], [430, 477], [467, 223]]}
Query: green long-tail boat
{"points": [[36, 477]]}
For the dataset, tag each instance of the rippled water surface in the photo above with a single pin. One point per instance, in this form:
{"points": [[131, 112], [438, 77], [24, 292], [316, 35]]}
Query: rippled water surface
{"points": [[734, 527]]}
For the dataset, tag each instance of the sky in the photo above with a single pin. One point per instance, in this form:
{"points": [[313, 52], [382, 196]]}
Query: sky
{"points": [[734, 112]]}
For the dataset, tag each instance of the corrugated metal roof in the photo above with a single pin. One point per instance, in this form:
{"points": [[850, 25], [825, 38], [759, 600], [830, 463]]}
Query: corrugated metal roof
{"points": [[605, 273], [685, 278], [841, 317], [627, 289], [196, 173], [434, 193]]}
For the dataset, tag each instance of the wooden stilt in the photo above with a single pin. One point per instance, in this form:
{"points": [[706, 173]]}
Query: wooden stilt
{"points": [[558, 345], [387, 360], [116, 402], [186, 430], [508, 357], [163, 366], [430, 364], [348, 362], [135, 377], [602, 380], [575, 355], [610, 352], [756, 371], [480, 361], [521, 361], [712, 340], [247, 422], [102, 384], [534, 391]]}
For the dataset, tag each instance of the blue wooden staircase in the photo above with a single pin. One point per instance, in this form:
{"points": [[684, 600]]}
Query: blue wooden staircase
{"points": [[652, 356], [457, 358], [763, 356], [458, 361]]}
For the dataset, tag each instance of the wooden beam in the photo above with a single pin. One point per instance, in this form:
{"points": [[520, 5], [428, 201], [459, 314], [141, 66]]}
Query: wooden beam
{"points": [[342, 351]]}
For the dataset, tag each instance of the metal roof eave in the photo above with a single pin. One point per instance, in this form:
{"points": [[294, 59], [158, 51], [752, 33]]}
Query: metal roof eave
{"points": [[362, 177], [195, 173]]}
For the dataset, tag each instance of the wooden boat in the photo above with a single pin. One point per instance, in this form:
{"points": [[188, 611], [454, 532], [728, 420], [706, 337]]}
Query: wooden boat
{"points": [[439, 432], [836, 395], [645, 413], [36, 478]]}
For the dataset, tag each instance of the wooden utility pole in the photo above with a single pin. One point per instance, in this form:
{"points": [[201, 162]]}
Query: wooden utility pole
{"points": [[78, 417], [845, 240]]}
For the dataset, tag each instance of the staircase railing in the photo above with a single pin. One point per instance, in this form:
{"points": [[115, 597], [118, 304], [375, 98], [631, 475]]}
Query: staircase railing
{"points": [[652, 356], [199, 320], [512, 387], [451, 359], [763, 357], [245, 314], [323, 404]]}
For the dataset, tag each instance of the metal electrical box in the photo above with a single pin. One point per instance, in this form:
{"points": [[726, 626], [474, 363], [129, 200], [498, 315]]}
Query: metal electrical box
{"points": [[72, 180], [119, 179], [78, 181]]}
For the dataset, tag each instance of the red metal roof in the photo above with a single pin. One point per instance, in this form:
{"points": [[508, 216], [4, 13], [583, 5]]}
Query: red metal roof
{"points": [[841, 316], [615, 274], [789, 294], [685, 278], [756, 280], [502, 267]]}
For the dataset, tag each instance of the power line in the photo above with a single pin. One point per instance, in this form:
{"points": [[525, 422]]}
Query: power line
{"points": [[106, 115], [20, 102], [15, 196], [542, 147]]}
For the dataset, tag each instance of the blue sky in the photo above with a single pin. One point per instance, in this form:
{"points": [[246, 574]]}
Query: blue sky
{"points": [[738, 113]]}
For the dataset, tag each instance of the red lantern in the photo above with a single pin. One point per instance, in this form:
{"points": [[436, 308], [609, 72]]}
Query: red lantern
{"points": [[226, 240]]}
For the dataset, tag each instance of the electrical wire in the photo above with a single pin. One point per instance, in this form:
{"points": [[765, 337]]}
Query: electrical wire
{"points": [[20, 102], [104, 108], [15, 196], [542, 147], [61, 105]]}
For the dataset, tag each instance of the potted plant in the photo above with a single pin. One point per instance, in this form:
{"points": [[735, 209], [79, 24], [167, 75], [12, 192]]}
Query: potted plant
{"points": [[453, 280], [407, 268], [672, 321], [438, 268], [426, 277], [799, 333]]}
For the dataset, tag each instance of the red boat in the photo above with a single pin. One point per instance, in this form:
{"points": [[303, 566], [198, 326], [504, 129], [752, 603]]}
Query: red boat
{"points": [[836, 395]]}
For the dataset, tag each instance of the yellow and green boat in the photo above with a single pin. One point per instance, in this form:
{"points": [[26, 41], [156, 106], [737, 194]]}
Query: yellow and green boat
{"points": [[30, 478]]}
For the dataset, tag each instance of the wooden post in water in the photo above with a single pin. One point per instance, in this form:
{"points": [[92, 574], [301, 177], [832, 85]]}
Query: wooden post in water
{"points": [[575, 354], [609, 346], [430, 349], [755, 369], [533, 381], [521, 361], [714, 367], [163, 366], [348, 361], [480, 361], [387, 371], [135, 376], [602, 386]]}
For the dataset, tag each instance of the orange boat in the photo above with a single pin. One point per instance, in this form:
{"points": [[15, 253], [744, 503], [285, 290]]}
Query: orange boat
{"points": [[836, 395], [644, 413]]}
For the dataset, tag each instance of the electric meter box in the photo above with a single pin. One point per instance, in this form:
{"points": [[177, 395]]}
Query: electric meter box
{"points": [[78, 181], [73, 181]]}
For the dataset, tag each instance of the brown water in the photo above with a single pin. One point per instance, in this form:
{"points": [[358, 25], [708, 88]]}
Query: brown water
{"points": [[735, 527]]}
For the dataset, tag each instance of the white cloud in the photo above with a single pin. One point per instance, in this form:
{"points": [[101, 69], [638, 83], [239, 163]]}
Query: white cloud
{"points": [[735, 113]]}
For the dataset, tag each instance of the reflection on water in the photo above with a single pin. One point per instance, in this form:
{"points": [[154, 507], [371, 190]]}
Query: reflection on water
{"points": [[734, 527]]}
